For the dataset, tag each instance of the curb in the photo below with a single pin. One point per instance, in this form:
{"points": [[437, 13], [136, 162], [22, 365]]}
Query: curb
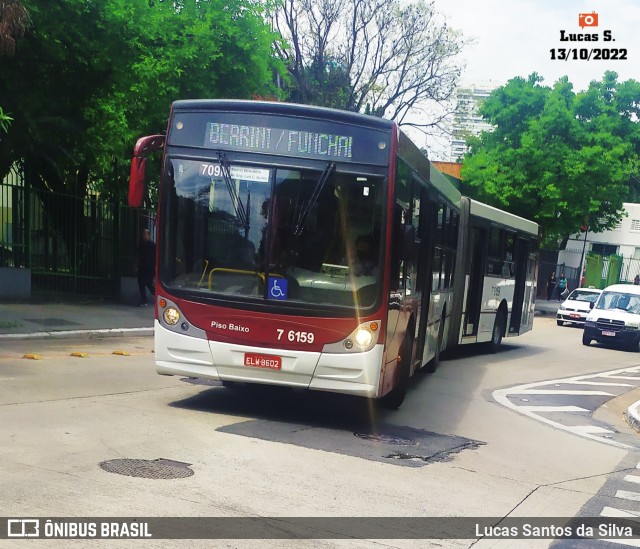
{"points": [[632, 416], [70, 334]]}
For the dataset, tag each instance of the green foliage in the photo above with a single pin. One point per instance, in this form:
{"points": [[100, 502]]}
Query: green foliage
{"points": [[5, 119], [89, 78], [560, 158]]}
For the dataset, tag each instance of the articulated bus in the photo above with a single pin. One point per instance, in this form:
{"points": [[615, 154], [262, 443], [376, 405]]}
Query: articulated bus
{"points": [[315, 248]]}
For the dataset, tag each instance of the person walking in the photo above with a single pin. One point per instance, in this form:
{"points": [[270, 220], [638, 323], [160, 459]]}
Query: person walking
{"points": [[146, 266], [551, 285], [562, 286]]}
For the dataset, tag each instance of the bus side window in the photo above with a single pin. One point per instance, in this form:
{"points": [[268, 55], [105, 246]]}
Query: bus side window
{"points": [[494, 263]]}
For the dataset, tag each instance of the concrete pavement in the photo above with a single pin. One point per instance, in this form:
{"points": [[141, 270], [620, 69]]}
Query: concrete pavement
{"points": [[73, 318]]}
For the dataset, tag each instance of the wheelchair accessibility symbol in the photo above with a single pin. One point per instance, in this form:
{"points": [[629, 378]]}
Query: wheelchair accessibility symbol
{"points": [[277, 288]]}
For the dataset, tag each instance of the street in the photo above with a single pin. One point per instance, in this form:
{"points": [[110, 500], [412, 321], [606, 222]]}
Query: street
{"points": [[454, 449]]}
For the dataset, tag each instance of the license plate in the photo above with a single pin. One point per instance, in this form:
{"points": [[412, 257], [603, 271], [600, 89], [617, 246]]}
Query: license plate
{"points": [[271, 362], [607, 333], [574, 316]]}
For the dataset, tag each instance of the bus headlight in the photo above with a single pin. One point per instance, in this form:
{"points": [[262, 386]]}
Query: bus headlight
{"points": [[171, 316], [363, 337], [361, 340]]}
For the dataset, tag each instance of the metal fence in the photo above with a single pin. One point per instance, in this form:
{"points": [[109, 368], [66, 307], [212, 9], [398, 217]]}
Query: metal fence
{"points": [[624, 274], [74, 244]]}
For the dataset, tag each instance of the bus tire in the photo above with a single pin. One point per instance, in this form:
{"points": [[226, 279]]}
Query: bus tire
{"points": [[498, 331], [394, 398]]}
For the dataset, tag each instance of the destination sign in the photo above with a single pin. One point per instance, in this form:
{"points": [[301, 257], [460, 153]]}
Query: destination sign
{"points": [[278, 140], [295, 137]]}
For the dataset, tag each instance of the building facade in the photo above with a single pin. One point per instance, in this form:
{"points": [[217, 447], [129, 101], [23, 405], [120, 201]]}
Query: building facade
{"points": [[466, 120], [623, 240]]}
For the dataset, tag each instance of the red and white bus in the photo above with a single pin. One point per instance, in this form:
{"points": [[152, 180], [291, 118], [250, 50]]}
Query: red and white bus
{"points": [[315, 248]]}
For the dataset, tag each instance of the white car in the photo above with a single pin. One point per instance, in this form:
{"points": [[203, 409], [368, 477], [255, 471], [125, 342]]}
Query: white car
{"points": [[615, 318], [576, 307]]}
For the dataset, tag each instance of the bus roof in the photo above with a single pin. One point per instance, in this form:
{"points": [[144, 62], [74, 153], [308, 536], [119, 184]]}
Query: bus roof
{"points": [[283, 109], [503, 218], [440, 182]]}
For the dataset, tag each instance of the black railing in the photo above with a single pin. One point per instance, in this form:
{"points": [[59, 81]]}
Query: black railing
{"points": [[76, 244]]}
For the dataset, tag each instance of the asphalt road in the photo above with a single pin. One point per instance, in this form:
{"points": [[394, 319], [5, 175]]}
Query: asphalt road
{"points": [[452, 450]]}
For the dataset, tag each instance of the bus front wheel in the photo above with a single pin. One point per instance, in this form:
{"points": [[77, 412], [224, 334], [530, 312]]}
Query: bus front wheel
{"points": [[394, 398]]}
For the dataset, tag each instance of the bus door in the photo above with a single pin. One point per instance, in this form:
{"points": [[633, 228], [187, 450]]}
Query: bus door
{"points": [[428, 225], [426, 228], [478, 259], [521, 257]]}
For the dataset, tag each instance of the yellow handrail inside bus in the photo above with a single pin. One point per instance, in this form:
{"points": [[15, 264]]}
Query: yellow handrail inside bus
{"points": [[239, 271], [204, 272]]}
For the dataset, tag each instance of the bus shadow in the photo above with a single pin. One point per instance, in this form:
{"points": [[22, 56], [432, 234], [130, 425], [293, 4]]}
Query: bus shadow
{"points": [[284, 404], [324, 421], [507, 352]]}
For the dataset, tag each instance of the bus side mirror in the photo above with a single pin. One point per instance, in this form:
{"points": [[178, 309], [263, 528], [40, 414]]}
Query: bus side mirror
{"points": [[137, 181], [144, 147]]}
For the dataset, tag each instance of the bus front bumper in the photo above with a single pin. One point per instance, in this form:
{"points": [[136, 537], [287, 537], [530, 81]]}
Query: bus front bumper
{"points": [[355, 374]]}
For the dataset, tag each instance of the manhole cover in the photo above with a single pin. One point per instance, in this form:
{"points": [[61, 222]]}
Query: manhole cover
{"points": [[387, 439], [148, 468]]}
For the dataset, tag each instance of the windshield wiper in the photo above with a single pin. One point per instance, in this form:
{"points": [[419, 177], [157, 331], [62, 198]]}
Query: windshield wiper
{"points": [[302, 220], [238, 206]]}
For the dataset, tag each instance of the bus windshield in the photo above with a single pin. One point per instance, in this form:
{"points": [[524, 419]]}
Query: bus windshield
{"points": [[265, 233]]}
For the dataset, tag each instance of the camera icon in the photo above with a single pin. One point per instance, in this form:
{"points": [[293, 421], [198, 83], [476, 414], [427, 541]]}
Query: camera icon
{"points": [[588, 19]]}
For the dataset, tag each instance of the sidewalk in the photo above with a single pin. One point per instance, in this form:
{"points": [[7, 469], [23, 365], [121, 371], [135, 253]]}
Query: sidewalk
{"points": [[72, 318]]}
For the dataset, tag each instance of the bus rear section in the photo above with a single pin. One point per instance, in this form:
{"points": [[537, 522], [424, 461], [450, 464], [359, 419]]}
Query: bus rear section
{"points": [[497, 274]]}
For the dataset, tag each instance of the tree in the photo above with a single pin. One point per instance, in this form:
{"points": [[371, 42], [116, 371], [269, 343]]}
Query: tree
{"points": [[559, 158], [14, 19], [83, 91], [383, 57], [109, 75], [13, 22]]}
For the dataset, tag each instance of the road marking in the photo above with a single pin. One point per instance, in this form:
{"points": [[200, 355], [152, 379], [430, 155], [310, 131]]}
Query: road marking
{"points": [[32, 356], [626, 494], [511, 398], [612, 512], [79, 355], [559, 392], [553, 408], [603, 383], [590, 429], [632, 478]]}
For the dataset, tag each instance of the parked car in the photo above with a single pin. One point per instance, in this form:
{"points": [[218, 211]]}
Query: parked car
{"points": [[615, 317], [577, 306]]}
